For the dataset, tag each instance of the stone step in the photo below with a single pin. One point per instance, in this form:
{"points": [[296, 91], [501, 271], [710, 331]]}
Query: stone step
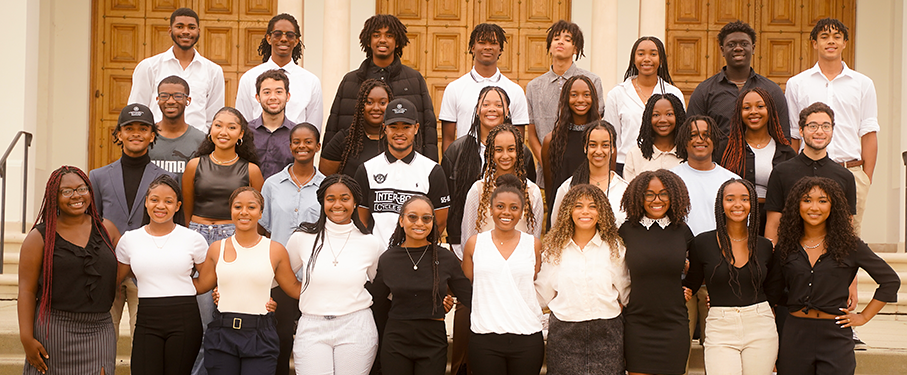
{"points": [[13, 364], [11, 245]]}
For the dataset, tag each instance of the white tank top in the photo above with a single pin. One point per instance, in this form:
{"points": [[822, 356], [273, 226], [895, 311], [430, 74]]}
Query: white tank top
{"points": [[245, 283], [503, 290]]}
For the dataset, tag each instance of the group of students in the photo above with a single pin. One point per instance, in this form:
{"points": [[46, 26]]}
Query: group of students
{"points": [[646, 210]]}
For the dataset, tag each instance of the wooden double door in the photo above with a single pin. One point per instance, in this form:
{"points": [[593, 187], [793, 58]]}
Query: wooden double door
{"points": [[783, 47], [124, 32]]}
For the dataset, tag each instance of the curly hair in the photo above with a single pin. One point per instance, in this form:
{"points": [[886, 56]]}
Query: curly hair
{"points": [[264, 48], [377, 22], [830, 24], [734, 158], [683, 135], [634, 200], [491, 170], [48, 214], [179, 216], [576, 35], [356, 133], [558, 143], [317, 228], [734, 27], [487, 32], [840, 238], [752, 233], [399, 237], [245, 147], [646, 138], [662, 71], [564, 227], [581, 175], [816, 107], [275, 74], [469, 162]]}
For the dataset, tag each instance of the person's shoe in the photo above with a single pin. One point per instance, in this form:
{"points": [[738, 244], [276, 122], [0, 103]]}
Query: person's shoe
{"points": [[857, 343]]}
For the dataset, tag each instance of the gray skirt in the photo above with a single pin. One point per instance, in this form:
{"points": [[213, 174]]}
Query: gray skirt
{"points": [[587, 347], [76, 343]]}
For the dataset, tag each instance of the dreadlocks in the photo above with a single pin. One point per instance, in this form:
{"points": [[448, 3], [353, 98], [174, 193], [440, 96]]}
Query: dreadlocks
{"points": [[264, 48], [646, 138], [49, 213], [734, 158], [490, 173], [752, 233], [564, 227], [487, 32], [377, 22], [558, 145], [662, 72], [576, 35], [433, 238], [356, 133], [634, 199]]}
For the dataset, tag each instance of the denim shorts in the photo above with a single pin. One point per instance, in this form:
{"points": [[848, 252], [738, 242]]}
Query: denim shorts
{"points": [[213, 232]]}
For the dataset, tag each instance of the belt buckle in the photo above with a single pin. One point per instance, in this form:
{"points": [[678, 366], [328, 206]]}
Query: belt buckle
{"points": [[237, 323]]}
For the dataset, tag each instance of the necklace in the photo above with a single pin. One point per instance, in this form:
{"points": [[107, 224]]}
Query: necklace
{"points": [[644, 97], [235, 157], [415, 263], [598, 182], [501, 242], [161, 246], [760, 144], [821, 241], [735, 239], [341, 248], [295, 180]]}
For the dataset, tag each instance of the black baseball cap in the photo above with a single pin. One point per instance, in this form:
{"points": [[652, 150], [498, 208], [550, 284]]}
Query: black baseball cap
{"points": [[400, 110], [135, 112]]}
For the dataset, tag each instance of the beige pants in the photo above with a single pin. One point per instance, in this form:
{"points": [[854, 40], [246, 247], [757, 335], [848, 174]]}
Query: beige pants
{"points": [[127, 293], [741, 340], [862, 181]]}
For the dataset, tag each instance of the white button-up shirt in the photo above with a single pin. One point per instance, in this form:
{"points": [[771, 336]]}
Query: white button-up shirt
{"points": [[206, 86], [586, 284], [851, 95], [624, 109], [305, 104], [460, 98]]}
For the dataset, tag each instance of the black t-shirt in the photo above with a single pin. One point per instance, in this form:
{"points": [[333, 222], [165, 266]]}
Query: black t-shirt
{"points": [[786, 174], [707, 264], [334, 152]]}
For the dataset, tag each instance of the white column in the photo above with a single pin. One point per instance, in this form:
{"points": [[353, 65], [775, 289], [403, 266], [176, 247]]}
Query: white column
{"points": [[652, 18], [335, 51], [604, 42]]}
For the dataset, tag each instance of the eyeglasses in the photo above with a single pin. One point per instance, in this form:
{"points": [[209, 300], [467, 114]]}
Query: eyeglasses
{"points": [[825, 126], [165, 96], [82, 190], [733, 45], [426, 219], [662, 195], [277, 34]]}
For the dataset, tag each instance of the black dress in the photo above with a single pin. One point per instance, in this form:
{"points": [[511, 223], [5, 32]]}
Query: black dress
{"points": [[656, 330]]}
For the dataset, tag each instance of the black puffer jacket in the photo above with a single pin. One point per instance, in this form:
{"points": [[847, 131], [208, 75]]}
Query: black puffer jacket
{"points": [[405, 82]]}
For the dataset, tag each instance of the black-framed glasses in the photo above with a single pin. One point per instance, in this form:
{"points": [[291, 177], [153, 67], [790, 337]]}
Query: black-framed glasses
{"points": [[426, 219], [165, 96], [662, 195], [277, 34], [82, 190], [825, 126], [733, 45]]}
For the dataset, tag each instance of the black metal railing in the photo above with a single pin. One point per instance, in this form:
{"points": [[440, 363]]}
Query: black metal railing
{"points": [[28, 138]]}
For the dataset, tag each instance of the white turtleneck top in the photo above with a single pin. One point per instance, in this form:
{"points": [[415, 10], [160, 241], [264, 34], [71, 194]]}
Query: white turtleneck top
{"points": [[346, 261]]}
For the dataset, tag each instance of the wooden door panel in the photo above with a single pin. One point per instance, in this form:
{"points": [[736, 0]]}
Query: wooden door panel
{"points": [[219, 44], [779, 58], [687, 14], [162, 9], [507, 62], [123, 42], [251, 39], [498, 11], [415, 52], [231, 82], [722, 12], [545, 12], [535, 60], [446, 12], [781, 15], [815, 10], [115, 92], [124, 8], [406, 10], [258, 8], [157, 38], [447, 52], [217, 10], [685, 51]]}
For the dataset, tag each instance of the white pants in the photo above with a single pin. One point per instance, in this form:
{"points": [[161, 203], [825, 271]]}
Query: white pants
{"points": [[741, 340], [341, 345]]}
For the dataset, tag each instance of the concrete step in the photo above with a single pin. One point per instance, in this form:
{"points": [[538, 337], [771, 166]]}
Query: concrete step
{"points": [[11, 245], [13, 364]]}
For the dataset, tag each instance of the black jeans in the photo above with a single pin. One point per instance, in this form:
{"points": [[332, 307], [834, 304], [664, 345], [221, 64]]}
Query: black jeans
{"points": [[414, 347], [508, 353], [168, 333]]}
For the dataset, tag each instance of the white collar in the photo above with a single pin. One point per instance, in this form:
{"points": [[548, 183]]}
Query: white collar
{"points": [[647, 222], [478, 77]]}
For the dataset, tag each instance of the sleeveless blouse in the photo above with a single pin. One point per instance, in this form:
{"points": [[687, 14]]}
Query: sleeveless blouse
{"points": [[245, 282], [84, 278], [213, 185], [503, 297]]}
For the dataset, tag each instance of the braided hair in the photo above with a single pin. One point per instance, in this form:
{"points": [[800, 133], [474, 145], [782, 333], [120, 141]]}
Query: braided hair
{"points": [[581, 176], [634, 200], [558, 145], [683, 134], [48, 214], [469, 163], [377, 22], [734, 157], [488, 32], [646, 138], [317, 228], [245, 147], [564, 227], [434, 238], [662, 71], [840, 238], [179, 217], [264, 48], [491, 169], [356, 133], [752, 233]]}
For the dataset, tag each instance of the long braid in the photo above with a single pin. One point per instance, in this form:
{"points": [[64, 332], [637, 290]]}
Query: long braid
{"points": [[558, 145], [646, 138], [264, 48], [488, 178], [724, 243], [734, 157], [48, 215], [356, 134]]}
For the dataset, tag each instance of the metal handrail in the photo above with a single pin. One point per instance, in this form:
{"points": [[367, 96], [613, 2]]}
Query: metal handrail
{"points": [[28, 139]]}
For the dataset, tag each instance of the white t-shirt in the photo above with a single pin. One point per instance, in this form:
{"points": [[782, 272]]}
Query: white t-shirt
{"points": [[703, 188], [763, 166], [162, 265], [460, 97]]}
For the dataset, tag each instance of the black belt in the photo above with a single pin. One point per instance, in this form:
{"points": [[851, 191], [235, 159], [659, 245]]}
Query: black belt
{"points": [[242, 321]]}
